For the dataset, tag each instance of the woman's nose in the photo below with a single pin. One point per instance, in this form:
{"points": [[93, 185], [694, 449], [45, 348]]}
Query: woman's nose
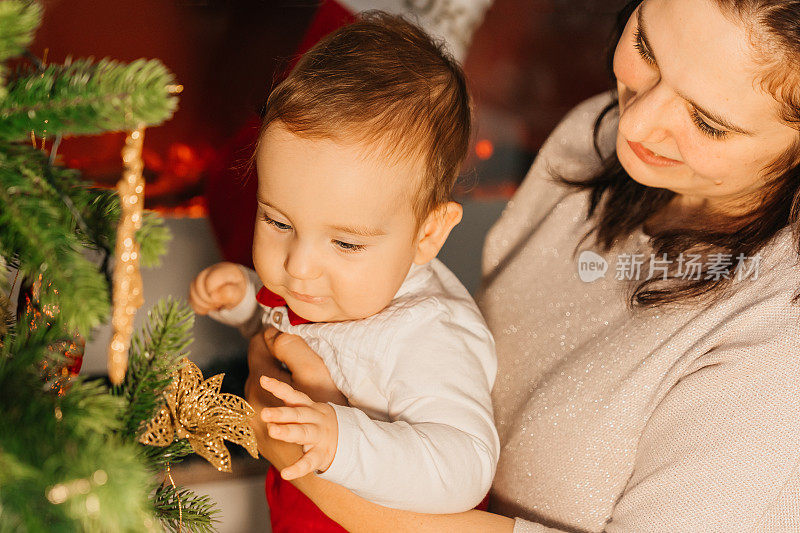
{"points": [[647, 114], [301, 262]]}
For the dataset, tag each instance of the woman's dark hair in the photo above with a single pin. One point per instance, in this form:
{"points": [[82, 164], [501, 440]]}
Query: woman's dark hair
{"points": [[621, 204]]}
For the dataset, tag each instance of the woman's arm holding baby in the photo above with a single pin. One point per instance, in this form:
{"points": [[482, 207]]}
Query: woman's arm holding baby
{"points": [[352, 512], [358, 515]]}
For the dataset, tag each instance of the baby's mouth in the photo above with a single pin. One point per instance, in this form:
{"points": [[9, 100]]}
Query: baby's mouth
{"points": [[306, 297]]}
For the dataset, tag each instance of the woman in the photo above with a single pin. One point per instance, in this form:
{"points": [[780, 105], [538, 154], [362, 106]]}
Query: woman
{"points": [[643, 306]]}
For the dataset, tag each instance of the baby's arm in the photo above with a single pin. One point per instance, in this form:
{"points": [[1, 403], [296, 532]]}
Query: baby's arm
{"points": [[439, 453]]}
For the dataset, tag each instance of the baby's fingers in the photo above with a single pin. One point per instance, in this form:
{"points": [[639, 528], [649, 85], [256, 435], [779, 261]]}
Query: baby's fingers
{"points": [[227, 295], [201, 284], [199, 302], [285, 392], [291, 415], [310, 462], [296, 433]]}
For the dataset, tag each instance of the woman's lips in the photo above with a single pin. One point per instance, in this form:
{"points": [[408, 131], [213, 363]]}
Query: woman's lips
{"points": [[306, 298], [649, 157]]}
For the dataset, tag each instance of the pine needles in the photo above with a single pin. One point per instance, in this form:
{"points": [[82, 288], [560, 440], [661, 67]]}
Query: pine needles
{"points": [[63, 465], [39, 233], [85, 97], [69, 455], [19, 20], [157, 352], [84, 441]]}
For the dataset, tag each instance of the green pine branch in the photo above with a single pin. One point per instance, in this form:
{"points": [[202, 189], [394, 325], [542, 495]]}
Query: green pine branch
{"points": [[160, 458], [70, 460], [92, 430], [48, 216], [19, 20], [47, 440], [177, 505], [153, 238], [84, 98], [157, 351], [107, 484], [101, 211], [39, 233]]}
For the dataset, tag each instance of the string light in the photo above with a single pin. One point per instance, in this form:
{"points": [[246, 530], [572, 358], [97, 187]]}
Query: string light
{"points": [[61, 492]]}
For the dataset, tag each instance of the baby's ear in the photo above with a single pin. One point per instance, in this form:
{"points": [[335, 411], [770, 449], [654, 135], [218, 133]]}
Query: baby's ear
{"points": [[435, 229]]}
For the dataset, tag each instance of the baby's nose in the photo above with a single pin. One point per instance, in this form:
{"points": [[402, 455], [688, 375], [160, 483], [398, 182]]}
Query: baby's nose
{"points": [[301, 262]]}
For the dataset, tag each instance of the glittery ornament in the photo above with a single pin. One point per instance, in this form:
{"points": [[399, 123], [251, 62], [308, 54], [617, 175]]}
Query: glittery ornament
{"points": [[57, 373], [194, 409], [127, 291]]}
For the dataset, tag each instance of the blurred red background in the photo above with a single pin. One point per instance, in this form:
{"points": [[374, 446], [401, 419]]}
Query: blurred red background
{"points": [[530, 62]]}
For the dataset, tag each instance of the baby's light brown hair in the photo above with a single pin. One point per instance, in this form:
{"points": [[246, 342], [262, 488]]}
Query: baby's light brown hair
{"points": [[383, 81]]}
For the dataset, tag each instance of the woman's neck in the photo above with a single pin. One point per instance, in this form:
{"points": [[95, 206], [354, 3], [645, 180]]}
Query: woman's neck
{"points": [[696, 213]]}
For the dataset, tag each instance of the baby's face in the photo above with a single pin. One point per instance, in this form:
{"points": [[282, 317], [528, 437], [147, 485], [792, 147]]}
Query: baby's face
{"points": [[335, 232]]}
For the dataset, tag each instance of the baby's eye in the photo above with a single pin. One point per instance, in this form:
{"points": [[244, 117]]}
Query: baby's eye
{"points": [[279, 225], [348, 247]]}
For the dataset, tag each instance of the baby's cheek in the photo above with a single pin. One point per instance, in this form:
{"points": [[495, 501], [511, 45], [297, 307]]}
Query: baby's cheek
{"points": [[269, 258], [362, 292]]}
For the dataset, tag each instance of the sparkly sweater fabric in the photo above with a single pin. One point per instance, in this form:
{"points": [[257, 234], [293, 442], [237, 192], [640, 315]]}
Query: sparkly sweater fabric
{"points": [[621, 420]]}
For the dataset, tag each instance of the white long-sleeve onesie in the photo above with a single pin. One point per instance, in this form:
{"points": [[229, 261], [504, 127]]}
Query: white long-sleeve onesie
{"points": [[419, 432]]}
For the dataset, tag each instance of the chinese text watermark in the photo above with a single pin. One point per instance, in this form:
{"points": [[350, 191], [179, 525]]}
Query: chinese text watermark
{"points": [[714, 266]]}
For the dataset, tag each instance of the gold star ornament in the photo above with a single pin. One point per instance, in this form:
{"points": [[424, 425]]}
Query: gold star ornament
{"points": [[195, 410]]}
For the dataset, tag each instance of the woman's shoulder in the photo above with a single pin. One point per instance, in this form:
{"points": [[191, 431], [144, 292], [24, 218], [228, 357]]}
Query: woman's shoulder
{"points": [[573, 139], [569, 152]]}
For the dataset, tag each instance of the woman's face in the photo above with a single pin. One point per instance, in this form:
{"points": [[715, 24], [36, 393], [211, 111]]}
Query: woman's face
{"points": [[693, 116]]}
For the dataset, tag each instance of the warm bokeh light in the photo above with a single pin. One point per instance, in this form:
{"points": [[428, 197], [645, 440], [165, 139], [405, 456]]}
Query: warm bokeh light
{"points": [[484, 149]]}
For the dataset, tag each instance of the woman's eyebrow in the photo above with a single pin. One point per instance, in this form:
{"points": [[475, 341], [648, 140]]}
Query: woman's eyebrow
{"points": [[713, 116]]}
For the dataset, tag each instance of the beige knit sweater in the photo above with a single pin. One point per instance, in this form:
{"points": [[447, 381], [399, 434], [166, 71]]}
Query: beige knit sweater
{"points": [[635, 421]]}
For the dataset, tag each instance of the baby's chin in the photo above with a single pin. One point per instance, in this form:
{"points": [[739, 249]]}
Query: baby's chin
{"points": [[332, 312]]}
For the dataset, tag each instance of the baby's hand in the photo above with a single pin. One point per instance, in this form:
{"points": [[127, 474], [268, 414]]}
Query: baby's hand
{"points": [[219, 286], [305, 422]]}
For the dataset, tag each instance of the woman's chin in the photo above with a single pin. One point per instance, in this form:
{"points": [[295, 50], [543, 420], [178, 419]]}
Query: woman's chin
{"points": [[639, 174]]}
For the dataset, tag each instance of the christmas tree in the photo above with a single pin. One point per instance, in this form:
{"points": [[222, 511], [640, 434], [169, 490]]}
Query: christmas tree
{"points": [[71, 451]]}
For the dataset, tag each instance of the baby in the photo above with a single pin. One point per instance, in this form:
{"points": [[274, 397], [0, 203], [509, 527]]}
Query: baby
{"points": [[358, 152]]}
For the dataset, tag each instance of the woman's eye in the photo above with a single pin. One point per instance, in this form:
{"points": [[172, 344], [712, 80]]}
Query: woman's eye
{"points": [[703, 126], [638, 43], [279, 225], [348, 247]]}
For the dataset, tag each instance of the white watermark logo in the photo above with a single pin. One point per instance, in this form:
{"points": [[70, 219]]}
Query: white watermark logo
{"points": [[591, 266], [716, 266]]}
